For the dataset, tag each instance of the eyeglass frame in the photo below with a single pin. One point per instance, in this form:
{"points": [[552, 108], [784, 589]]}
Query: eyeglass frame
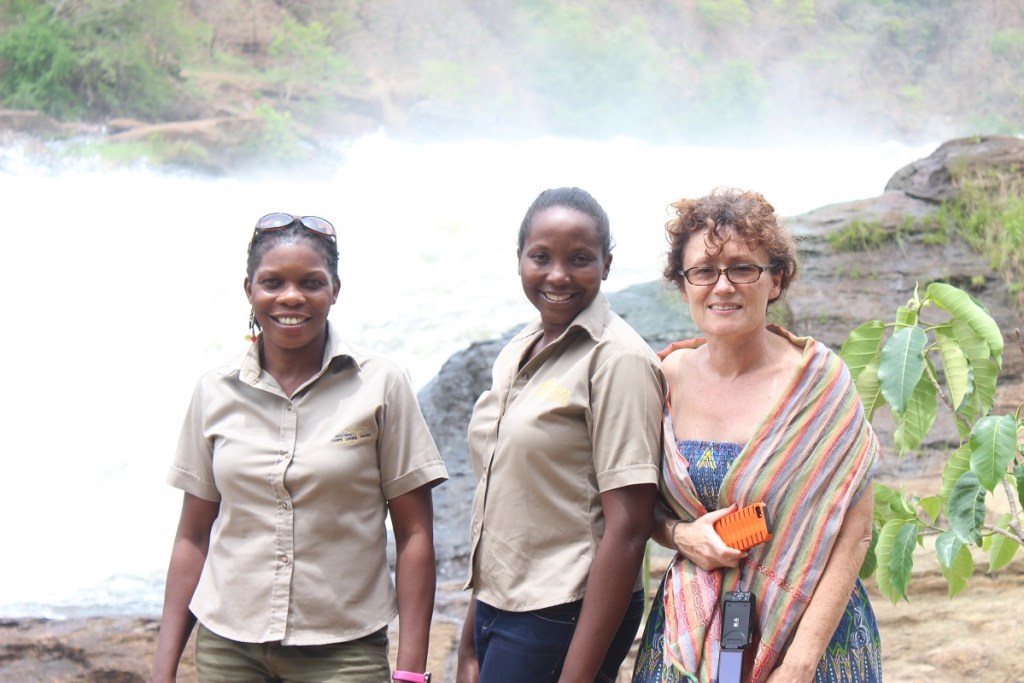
{"points": [[725, 271], [317, 225]]}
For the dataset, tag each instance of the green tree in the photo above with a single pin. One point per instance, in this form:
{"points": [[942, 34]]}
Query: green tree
{"points": [[101, 57], [38, 61], [942, 346], [304, 58]]}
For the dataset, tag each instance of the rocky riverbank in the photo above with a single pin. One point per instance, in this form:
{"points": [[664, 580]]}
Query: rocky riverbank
{"points": [[977, 636]]}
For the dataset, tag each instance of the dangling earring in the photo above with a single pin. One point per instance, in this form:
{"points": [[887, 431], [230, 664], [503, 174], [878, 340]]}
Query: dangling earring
{"points": [[254, 327]]}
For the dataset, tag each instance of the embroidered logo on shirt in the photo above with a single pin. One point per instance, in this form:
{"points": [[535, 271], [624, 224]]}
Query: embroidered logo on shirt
{"points": [[707, 461], [352, 435], [551, 390]]}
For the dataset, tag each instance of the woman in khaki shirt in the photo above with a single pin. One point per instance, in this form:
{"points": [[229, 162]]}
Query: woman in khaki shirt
{"points": [[290, 460], [565, 447]]}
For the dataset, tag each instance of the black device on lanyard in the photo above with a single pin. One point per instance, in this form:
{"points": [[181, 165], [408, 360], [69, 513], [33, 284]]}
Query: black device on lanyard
{"points": [[738, 620]]}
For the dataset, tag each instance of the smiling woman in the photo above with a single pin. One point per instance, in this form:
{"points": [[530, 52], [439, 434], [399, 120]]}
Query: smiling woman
{"points": [[562, 262], [757, 415], [291, 283], [565, 447], [290, 460]]}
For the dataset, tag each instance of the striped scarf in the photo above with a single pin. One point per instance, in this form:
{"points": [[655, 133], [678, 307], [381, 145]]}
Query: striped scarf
{"points": [[808, 459]]}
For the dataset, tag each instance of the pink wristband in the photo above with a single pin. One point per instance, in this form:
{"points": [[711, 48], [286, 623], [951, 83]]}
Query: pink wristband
{"points": [[410, 676]]}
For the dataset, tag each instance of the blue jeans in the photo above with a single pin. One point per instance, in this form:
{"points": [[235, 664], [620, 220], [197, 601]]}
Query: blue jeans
{"points": [[513, 647]]}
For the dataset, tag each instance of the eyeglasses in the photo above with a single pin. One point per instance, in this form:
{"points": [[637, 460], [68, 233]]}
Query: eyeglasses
{"points": [[738, 274], [273, 222]]}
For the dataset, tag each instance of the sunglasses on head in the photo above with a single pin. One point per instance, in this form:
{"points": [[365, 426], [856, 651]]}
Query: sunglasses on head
{"points": [[273, 222]]}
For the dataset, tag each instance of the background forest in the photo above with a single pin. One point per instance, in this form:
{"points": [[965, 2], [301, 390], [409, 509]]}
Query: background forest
{"points": [[693, 71]]}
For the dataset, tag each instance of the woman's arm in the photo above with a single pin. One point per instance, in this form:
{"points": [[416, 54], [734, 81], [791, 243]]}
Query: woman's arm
{"points": [[468, 668], [191, 543], [697, 541], [412, 516], [831, 595], [628, 516]]}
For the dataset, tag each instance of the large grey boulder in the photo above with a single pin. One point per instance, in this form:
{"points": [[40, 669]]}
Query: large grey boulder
{"points": [[933, 178]]}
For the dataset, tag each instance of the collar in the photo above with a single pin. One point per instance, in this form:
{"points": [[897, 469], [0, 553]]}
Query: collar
{"points": [[591, 320], [249, 369]]}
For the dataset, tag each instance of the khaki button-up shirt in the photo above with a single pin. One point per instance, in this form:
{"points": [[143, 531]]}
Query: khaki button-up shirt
{"points": [[582, 417], [298, 550]]}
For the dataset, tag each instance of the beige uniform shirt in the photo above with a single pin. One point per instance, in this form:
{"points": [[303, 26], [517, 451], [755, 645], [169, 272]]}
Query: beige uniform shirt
{"points": [[582, 417], [298, 551]]}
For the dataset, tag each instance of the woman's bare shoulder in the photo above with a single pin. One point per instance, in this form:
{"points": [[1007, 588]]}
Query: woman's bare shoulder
{"points": [[679, 363]]}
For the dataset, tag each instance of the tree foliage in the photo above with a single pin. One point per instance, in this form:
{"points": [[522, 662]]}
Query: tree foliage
{"points": [[303, 55], [942, 346], [92, 57]]}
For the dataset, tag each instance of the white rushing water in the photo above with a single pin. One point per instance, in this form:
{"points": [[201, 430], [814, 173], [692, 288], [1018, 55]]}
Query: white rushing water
{"points": [[129, 286]]}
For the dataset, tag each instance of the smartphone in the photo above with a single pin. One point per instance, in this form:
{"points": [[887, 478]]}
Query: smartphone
{"points": [[745, 527]]}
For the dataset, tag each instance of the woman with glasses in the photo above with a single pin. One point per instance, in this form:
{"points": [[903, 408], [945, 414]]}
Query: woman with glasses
{"points": [[756, 414], [290, 459], [565, 447]]}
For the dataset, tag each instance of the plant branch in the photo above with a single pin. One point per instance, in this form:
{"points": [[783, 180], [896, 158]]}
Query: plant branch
{"points": [[1014, 518], [1004, 532]]}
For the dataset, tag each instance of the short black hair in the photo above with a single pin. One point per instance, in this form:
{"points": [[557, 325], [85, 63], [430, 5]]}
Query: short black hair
{"points": [[262, 242], [570, 198]]}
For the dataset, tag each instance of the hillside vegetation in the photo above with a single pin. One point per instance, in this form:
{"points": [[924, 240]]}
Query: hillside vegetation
{"points": [[695, 71]]}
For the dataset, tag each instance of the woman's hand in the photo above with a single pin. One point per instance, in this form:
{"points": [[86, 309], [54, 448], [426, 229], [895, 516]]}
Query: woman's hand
{"points": [[188, 555], [700, 543], [831, 595], [468, 668], [412, 517], [629, 516], [791, 673]]}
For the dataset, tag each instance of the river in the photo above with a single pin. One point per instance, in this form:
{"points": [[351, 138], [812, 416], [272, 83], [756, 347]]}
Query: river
{"points": [[136, 283]]}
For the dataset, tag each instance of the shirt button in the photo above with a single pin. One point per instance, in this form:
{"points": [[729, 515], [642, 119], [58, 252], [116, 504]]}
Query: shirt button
{"points": [[290, 408], [284, 559]]}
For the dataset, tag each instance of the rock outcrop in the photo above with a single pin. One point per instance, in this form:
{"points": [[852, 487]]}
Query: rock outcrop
{"points": [[934, 178]]}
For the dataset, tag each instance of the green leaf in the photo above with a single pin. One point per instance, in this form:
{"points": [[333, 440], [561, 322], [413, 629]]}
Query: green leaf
{"points": [[905, 317], [993, 446], [966, 508], [961, 306], [947, 545], [883, 554], [986, 374], [1018, 472], [972, 344], [919, 416], [932, 505], [862, 346], [867, 568], [1002, 549], [901, 558], [901, 366], [954, 468], [955, 366], [869, 390], [892, 504], [955, 560]]}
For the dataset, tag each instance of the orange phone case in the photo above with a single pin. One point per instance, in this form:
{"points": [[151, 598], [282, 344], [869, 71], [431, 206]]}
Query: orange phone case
{"points": [[745, 527]]}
